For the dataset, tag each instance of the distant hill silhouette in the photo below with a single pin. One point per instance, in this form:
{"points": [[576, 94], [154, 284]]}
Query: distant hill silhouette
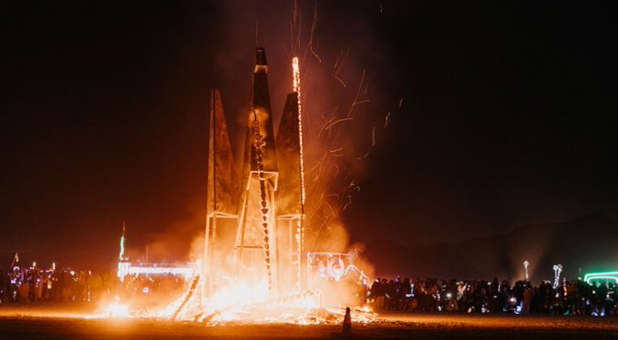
{"points": [[575, 244]]}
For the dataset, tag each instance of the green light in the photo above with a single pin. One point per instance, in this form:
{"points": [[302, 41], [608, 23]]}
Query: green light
{"points": [[601, 276]]}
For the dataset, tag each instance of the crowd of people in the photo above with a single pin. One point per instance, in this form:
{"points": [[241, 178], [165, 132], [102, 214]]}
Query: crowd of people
{"points": [[29, 284], [433, 295]]}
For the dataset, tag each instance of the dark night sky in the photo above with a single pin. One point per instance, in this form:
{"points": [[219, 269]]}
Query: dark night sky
{"points": [[510, 117]]}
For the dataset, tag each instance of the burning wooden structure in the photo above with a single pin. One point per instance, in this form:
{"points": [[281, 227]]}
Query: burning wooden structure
{"points": [[263, 201]]}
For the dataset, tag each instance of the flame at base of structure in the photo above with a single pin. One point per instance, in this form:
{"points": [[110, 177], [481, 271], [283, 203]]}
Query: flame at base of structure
{"points": [[241, 304], [116, 309]]}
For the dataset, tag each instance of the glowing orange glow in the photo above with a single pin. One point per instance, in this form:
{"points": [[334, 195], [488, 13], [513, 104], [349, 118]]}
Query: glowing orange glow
{"points": [[244, 303], [116, 309]]}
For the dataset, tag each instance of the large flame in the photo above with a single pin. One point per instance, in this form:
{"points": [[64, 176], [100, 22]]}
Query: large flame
{"points": [[241, 302]]}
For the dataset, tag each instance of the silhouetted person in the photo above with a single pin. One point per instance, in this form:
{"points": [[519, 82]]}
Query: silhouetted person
{"points": [[347, 322]]}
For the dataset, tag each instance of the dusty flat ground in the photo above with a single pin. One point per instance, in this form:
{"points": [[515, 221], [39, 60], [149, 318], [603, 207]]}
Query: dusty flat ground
{"points": [[42, 323]]}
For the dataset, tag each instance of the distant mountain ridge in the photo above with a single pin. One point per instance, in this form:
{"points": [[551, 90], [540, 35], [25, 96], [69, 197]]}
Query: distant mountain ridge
{"points": [[573, 243]]}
